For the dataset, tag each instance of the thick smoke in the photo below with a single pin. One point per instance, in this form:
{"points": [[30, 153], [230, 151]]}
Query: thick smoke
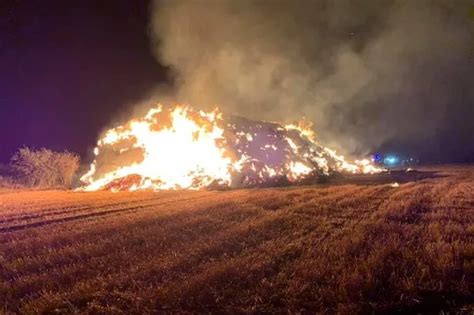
{"points": [[365, 72]]}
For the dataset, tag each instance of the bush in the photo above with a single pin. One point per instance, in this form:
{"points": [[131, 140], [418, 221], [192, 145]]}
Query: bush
{"points": [[45, 168], [9, 183]]}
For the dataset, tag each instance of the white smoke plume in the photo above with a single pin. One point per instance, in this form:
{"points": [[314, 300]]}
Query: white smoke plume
{"points": [[364, 72]]}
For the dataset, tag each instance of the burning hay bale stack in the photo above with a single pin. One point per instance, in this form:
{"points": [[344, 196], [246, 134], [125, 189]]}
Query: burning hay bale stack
{"points": [[272, 154], [180, 148]]}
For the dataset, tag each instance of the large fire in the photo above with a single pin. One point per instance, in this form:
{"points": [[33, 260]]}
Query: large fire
{"points": [[180, 148]]}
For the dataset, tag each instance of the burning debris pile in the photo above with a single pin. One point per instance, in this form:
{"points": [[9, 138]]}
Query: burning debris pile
{"points": [[181, 148]]}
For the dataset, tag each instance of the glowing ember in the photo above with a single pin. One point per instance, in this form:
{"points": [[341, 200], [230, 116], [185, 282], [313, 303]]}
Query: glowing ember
{"points": [[179, 148]]}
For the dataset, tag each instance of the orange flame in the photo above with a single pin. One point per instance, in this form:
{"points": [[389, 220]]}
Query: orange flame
{"points": [[179, 148]]}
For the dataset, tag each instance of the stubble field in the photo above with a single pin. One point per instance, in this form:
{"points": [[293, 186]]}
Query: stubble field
{"points": [[353, 246]]}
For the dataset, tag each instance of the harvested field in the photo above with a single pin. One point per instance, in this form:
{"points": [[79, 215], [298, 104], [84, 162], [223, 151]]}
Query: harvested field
{"points": [[358, 245]]}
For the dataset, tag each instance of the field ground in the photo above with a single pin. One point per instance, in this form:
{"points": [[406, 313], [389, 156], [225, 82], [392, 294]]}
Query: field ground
{"points": [[355, 246]]}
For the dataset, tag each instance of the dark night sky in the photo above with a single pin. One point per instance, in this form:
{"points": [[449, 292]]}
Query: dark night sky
{"points": [[68, 68]]}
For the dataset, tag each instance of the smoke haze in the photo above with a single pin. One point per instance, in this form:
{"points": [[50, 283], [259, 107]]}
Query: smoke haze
{"points": [[367, 73]]}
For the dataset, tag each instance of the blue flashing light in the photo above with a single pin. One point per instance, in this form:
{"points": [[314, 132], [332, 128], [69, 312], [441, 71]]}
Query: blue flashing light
{"points": [[390, 160]]}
